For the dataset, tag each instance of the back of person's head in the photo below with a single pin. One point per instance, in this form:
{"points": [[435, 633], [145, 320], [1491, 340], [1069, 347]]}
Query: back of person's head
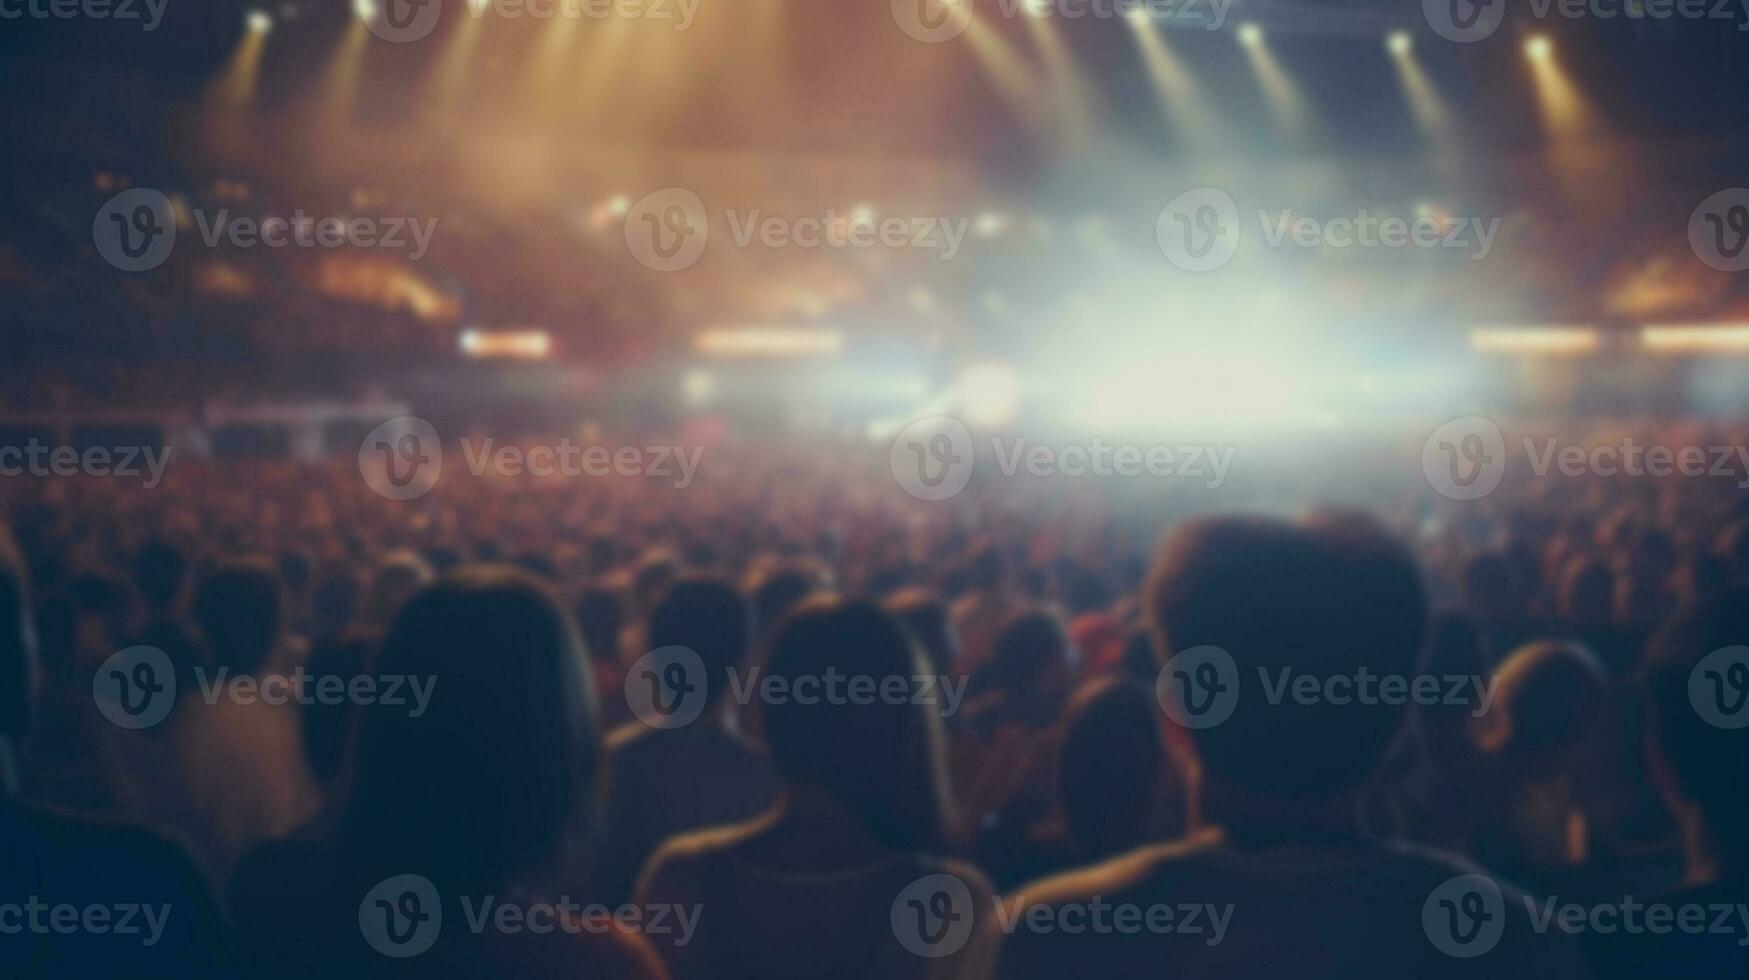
{"points": [[1703, 764], [1031, 658], [296, 568], [655, 572], [1109, 766], [927, 618], [1290, 600], [160, 572], [330, 729], [986, 567], [1587, 592], [238, 608], [879, 757], [1489, 586], [401, 574], [600, 617], [780, 589], [1547, 699], [334, 600], [706, 615], [496, 776], [1456, 647], [101, 604]]}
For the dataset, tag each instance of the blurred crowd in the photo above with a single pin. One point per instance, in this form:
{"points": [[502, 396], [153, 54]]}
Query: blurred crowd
{"points": [[1035, 759]]}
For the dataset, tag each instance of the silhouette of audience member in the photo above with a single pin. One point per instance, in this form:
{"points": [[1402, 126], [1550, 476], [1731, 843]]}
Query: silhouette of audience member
{"points": [[398, 577], [1116, 786], [76, 759], [601, 618], [87, 897], [481, 795], [926, 618], [981, 612], [329, 724], [1427, 788], [670, 780], [808, 890], [1701, 766], [1004, 754], [1538, 734], [1304, 893], [234, 723]]}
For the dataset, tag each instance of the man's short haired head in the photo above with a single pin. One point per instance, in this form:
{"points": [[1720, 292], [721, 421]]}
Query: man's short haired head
{"points": [[159, 570], [706, 615], [1324, 598], [1548, 698], [239, 607]]}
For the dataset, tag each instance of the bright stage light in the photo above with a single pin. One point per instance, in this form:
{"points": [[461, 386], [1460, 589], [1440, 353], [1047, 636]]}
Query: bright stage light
{"points": [[1250, 35], [1539, 48], [1038, 8], [258, 21], [514, 345], [769, 342], [1138, 15], [989, 395], [1400, 43], [365, 9], [1685, 339], [1566, 341]]}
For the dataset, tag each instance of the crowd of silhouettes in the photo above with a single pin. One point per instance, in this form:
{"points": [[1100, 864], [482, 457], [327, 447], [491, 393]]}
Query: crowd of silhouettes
{"points": [[1031, 758]]}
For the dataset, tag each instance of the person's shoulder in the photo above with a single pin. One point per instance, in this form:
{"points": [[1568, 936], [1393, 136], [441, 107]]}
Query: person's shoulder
{"points": [[695, 846], [53, 834], [629, 738], [1127, 872]]}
